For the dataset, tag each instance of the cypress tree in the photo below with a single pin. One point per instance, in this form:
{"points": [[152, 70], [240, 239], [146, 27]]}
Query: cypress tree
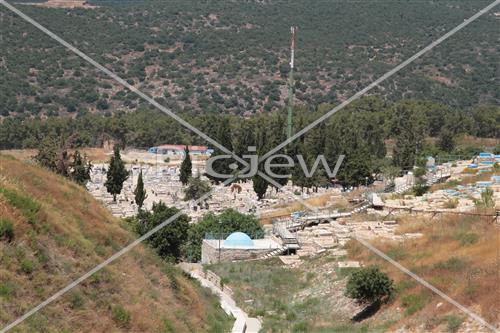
{"points": [[116, 175], [186, 167], [140, 192], [260, 186]]}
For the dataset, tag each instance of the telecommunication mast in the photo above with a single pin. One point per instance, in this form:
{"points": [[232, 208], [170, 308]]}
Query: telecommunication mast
{"points": [[290, 85]]}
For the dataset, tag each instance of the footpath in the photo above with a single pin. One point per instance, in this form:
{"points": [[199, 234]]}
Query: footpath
{"points": [[208, 279]]}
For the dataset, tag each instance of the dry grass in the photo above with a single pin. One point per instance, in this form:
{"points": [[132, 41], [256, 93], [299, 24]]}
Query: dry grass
{"points": [[321, 201], [94, 154], [458, 255], [64, 4], [466, 180], [68, 235]]}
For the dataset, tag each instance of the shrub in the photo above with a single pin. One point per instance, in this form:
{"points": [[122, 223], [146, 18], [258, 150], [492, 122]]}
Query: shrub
{"points": [[76, 300], [453, 264], [452, 203], [27, 266], [486, 199], [454, 322], [120, 315], [6, 230], [369, 285], [420, 189]]}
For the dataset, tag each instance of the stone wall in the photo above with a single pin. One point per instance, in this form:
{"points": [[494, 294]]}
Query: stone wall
{"points": [[210, 254]]}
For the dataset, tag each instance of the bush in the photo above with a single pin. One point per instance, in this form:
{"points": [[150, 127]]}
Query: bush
{"points": [[420, 189], [6, 230], [120, 315], [27, 266], [452, 203], [454, 322], [369, 285]]}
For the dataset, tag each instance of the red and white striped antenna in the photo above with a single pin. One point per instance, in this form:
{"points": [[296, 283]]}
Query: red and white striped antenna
{"points": [[292, 58]]}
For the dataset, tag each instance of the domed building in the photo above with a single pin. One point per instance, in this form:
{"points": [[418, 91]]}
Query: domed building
{"points": [[238, 240], [236, 246]]}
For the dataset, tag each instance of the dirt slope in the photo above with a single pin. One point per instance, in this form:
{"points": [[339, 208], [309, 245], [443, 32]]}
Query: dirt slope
{"points": [[60, 232]]}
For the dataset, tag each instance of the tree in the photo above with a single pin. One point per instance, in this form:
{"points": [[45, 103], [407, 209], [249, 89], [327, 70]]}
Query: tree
{"points": [[260, 186], [47, 154], [140, 192], [186, 167], [117, 174], [409, 128], [196, 188], [169, 240], [80, 168], [446, 140], [227, 222], [369, 285], [222, 135]]}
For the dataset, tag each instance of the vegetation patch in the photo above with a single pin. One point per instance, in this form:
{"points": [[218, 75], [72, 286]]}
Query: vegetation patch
{"points": [[28, 207], [454, 264], [6, 229], [414, 302], [120, 315]]}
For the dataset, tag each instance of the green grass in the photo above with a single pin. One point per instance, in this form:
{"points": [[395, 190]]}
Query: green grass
{"points": [[453, 322], [268, 289], [453, 264], [467, 238], [7, 290], [414, 302], [120, 315], [28, 207], [6, 229]]}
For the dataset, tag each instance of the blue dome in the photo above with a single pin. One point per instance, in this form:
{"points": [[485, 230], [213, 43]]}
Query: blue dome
{"points": [[238, 239]]}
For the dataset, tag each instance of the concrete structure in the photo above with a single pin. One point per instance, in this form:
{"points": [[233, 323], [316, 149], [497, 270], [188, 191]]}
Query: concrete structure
{"points": [[237, 246], [243, 323], [178, 150]]}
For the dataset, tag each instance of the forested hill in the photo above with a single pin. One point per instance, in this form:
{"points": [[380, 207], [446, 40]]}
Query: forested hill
{"points": [[233, 56]]}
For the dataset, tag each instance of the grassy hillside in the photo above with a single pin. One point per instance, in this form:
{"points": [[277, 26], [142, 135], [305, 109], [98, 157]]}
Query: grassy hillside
{"points": [[233, 56], [52, 231], [458, 255]]}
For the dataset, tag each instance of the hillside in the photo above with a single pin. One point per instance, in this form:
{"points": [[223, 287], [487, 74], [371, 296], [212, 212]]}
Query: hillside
{"points": [[233, 56], [61, 232], [458, 255]]}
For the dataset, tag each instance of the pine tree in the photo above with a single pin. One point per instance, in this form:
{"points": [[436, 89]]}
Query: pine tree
{"points": [[186, 167], [80, 168], [140, 192], [117, 174]]}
